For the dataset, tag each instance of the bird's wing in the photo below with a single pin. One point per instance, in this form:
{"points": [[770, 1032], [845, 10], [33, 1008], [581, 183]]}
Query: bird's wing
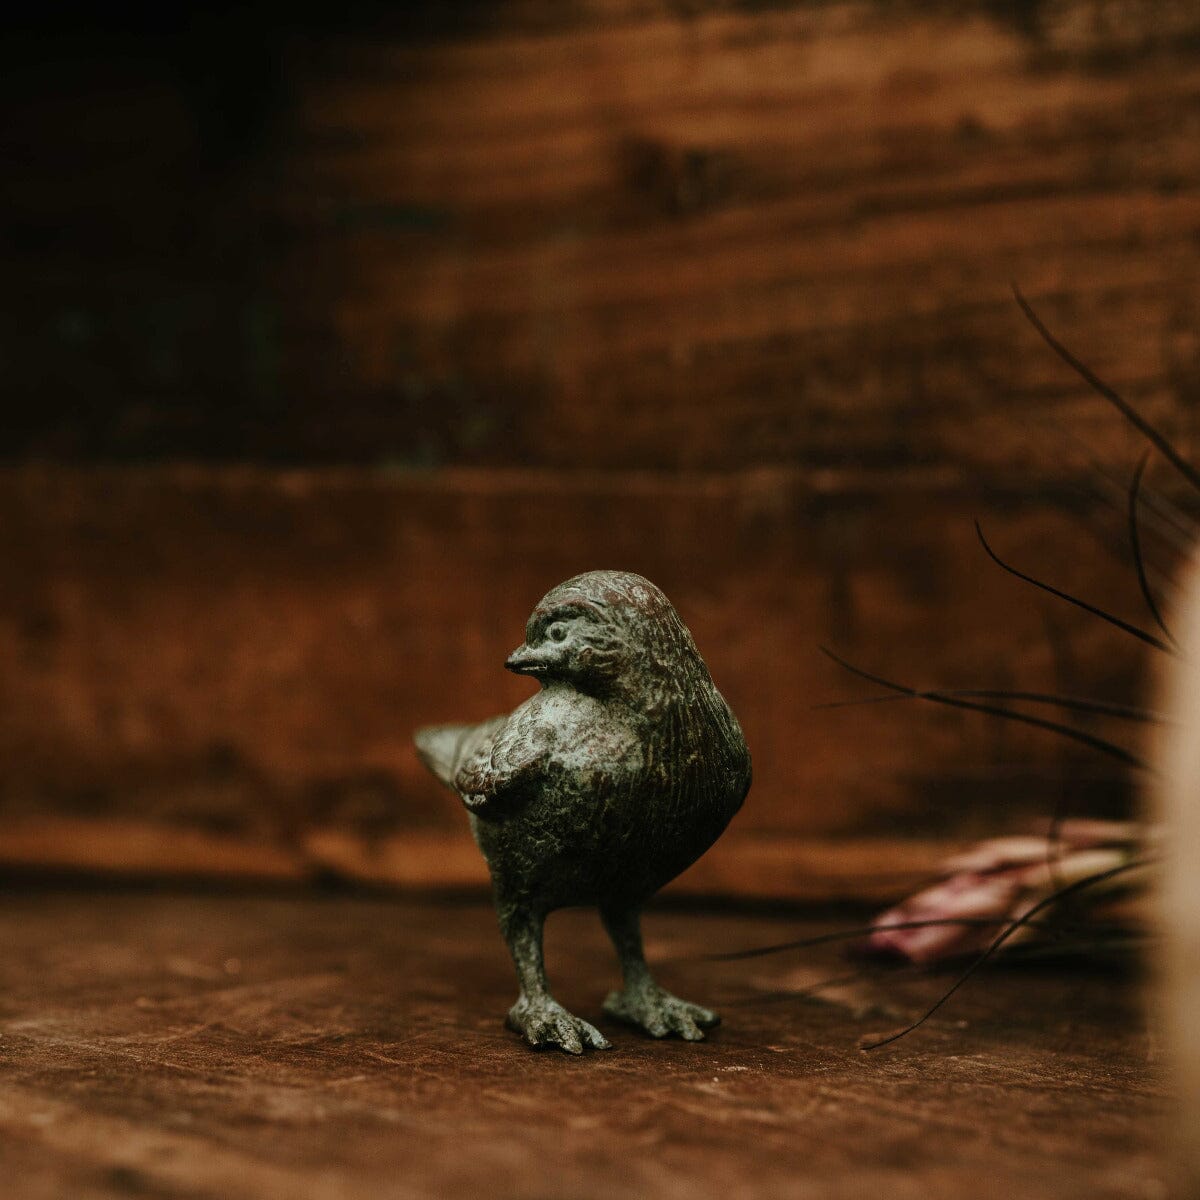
{"points": [[497, 769], [489, 763], [444, 748]]}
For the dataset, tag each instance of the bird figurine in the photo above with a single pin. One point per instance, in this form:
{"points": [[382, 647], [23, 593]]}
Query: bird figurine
{"points": [[613, 778]]}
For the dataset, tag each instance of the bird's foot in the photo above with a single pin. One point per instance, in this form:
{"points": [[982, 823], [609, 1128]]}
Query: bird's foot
{"points": [[546, 1023], [654, 1010]]}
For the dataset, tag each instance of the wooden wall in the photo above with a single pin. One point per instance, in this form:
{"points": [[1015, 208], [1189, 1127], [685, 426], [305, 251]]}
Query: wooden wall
{"points": [[330, 348]]}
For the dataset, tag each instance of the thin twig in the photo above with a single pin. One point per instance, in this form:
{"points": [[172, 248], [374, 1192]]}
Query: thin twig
{"points": [[845, 935], [1135, 543], [1067, 731], [1125, 626], [1122, 405], [1103, 708], [1019, 923]]}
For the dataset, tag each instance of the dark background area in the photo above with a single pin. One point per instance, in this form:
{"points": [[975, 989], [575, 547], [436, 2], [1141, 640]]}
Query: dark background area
{"points": [[333, 337]]}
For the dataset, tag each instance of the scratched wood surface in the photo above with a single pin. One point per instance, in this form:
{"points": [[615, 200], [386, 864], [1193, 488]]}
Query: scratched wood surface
{"points": [[451, 306], [323, 1048]]}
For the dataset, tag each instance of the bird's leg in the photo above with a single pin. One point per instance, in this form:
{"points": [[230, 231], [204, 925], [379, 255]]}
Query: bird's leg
{"points": [[536, 1014], [642, 1002]]}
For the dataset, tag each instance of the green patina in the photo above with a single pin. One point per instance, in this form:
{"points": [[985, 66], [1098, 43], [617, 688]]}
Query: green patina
{"points": [[615, 777]]}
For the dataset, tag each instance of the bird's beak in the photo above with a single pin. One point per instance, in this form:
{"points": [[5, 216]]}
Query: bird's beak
{"points": [[525, 661]]}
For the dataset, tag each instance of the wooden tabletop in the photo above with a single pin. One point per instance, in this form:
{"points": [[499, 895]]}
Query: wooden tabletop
{"points": [[333, 1047]]}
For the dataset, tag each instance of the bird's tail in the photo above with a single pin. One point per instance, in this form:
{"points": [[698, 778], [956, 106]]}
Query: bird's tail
{"points": [[440, 748]]}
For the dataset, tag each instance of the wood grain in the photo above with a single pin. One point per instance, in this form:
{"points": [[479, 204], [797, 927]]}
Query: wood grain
{"points": [[784, 867], [241, 656], [450, 308], [623, 234], [181, 1046]]}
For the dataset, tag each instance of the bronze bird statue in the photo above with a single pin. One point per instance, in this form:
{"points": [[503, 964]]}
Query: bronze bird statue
{"points": [[613, 778]]}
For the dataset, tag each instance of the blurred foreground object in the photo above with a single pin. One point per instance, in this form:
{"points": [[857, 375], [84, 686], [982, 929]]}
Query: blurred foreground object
{"points": [[1177, 799]]}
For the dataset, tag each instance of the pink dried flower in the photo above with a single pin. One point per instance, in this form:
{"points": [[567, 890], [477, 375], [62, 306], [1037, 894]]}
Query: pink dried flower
{"points": [[995, 883]]}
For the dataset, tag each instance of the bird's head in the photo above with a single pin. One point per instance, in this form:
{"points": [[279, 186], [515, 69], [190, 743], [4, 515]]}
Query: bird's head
{"points": [[608, 632]]}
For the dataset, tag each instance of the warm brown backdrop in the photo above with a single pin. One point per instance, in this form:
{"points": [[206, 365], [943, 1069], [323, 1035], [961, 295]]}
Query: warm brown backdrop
{"points": [[325, 363]]}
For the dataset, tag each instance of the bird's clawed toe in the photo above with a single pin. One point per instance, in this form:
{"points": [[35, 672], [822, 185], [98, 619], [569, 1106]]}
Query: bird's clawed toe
{"points": [[660, 1014], [546, 1023]]}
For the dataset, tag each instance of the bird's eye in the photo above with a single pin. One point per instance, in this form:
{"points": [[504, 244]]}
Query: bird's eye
{"points": [[557, 632]]}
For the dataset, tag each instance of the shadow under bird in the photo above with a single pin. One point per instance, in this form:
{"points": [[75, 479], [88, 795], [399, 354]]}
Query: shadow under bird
{"points": [[598, 790]]}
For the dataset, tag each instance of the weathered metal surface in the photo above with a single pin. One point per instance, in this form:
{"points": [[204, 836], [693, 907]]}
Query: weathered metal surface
{"points": [[615, 777]]}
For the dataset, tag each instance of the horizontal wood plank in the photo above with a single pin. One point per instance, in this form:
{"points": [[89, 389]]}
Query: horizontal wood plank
{"points": [[623, 235], [714, 292], [241, 656], [746, 867]]}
